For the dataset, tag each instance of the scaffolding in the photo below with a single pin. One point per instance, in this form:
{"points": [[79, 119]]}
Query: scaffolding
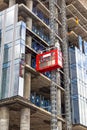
{"points": [[53, 88], [66, 71], [66, 67], [54, 119]]}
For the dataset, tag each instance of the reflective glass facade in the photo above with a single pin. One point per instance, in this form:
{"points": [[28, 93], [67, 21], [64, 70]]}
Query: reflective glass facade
{"points": [[78, 75], [12, 51]]}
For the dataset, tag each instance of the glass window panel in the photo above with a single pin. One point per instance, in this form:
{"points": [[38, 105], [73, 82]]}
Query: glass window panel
{"points": [[85, 70], [74, 89], [73, 73], [0, 37], [85, 48], [16, 61], [23, 32], [80, 43], [79, 72], [16, 79], [18, 32], [0, 55], [17, 51], [78, 57], [10, 18], [22, 49], [0, 20], [9, 36], [75, 111], [18, 41], [79, 88], [7, 53], [5, 82], [80, 109], [6, 65], [72, 56], [86, 112], [83, 112]]}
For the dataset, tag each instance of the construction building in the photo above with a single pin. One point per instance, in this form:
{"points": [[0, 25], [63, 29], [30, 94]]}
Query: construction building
{"points": [[30, 99]]}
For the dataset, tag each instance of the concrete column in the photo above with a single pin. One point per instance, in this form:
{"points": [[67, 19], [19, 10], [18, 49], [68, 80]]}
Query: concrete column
{"points": [[29, 4], [12, 2], [28, 56], [59, 108], [25, 113], [59, 125], [28, 40], [27, 88], [58, 81], [4, 118], [59, 102], [25, 119], [27, 85]]}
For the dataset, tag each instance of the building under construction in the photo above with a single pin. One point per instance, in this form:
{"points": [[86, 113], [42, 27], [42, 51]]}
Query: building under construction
{"points": [[43, 65]]}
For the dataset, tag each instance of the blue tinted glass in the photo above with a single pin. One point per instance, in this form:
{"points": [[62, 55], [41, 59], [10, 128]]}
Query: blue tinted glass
{"points": [[0, 20], [85, 48], [7, 53], [5, 82], [20, 31], [75, 111], [23, 31], [80, 43], [16, 79], [0, 38], [6, 65]]}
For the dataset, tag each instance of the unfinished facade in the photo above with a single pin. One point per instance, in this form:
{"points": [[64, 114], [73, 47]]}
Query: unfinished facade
{"points": [[25, 30]]}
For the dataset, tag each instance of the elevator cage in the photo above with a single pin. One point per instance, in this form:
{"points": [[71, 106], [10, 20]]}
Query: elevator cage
{"points": [[49, 60]]}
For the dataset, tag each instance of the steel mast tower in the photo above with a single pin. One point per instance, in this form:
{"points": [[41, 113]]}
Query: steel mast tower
{"points": [[66, 67], [53, 89], [54, 73]]}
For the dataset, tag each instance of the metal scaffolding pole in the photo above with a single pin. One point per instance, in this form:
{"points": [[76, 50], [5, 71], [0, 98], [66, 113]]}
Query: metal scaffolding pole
{"points": [[53, 88], [52, 22], [66, 67]]}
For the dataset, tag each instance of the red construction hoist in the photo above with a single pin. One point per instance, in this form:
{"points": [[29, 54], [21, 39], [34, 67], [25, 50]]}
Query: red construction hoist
{"points": [[49, 60]]}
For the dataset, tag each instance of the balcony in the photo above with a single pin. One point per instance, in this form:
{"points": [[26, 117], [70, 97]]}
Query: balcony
{"points": [[77, 28], [73, 12], [79, 5], [39, 117]]}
